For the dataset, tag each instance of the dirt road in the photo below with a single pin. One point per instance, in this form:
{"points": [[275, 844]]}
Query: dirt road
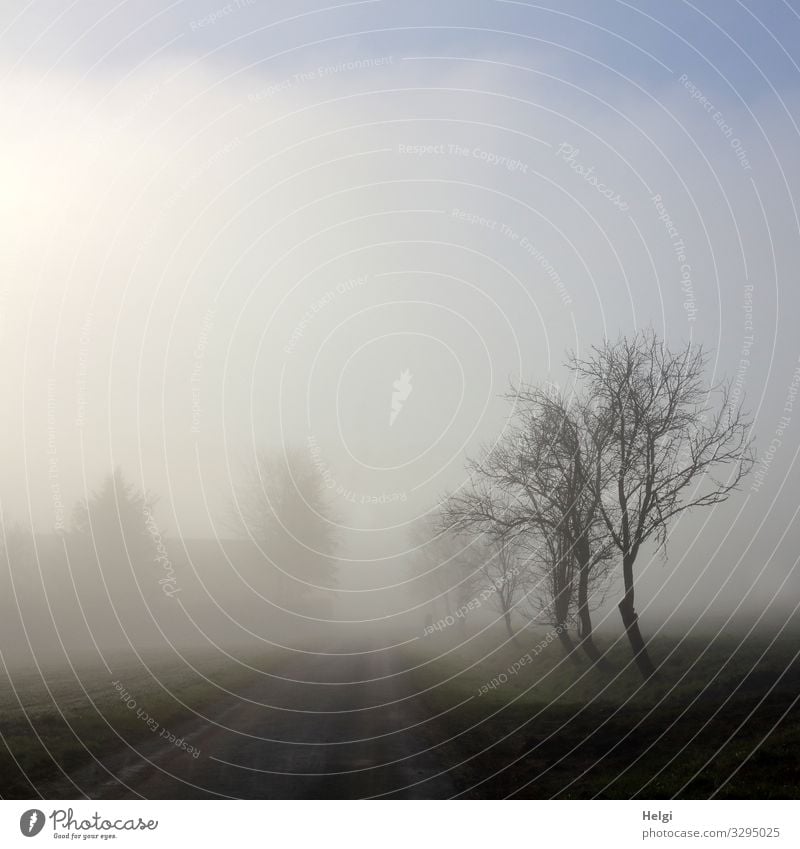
{"points": [[340, 725]]}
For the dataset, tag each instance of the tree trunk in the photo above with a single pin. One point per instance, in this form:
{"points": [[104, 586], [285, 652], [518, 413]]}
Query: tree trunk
{"points": [[630, 620], [507, 620], [566, 643], [584, 614], [562, 578], [589, 646]]}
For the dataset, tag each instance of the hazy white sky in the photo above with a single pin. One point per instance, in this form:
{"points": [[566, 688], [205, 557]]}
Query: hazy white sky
{"points": [[237, 226]]}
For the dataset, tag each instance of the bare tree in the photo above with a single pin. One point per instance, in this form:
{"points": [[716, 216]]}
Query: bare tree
{"points": [[557, 447], [505, 571], [659, 432], [550, 585], [531, 486], [459, 571], [446, 569]]}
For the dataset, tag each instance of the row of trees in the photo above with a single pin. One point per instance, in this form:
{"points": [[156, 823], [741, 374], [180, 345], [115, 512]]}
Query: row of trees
{"points": [[114, 579], [279, 505], [580, 482]]}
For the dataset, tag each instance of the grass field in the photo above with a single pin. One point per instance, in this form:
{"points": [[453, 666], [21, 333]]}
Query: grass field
{"points": [[64, 723], [721, 719]]}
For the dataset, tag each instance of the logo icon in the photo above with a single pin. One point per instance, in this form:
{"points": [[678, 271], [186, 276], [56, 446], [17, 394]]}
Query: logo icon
{"points": [[31, 822], [402, 389]]}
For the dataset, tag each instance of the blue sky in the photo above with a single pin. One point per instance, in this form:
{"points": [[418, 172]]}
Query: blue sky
{"points": [[169, 177], [741, 41]]}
